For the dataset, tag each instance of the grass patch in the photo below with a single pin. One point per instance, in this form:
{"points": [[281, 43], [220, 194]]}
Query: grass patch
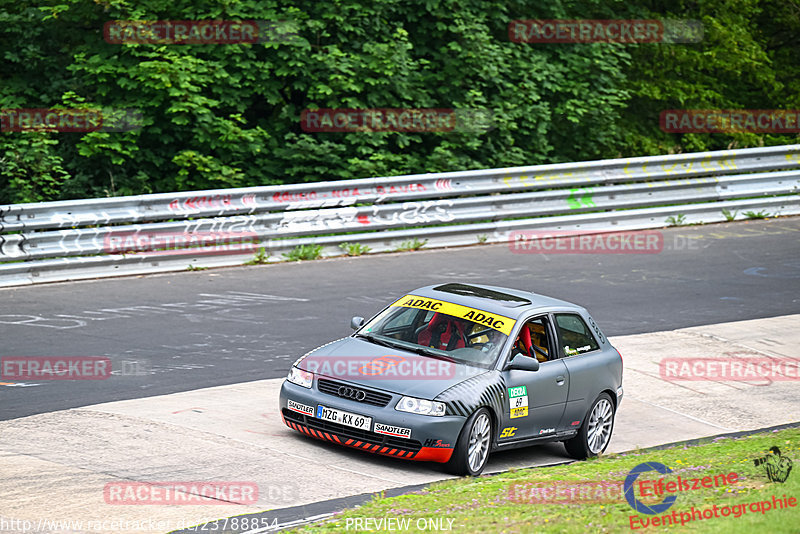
{"points": [[411, 244], [676, 220], [354, 249], [729, 215], [304, 252], [763, 214], [483, 504], [261, 257]]}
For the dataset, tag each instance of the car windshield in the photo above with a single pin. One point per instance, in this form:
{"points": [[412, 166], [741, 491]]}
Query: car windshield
{"points": [[437, 334]]}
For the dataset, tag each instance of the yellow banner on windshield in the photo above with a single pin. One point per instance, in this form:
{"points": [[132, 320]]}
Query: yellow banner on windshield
{"points": [[498, 322]]}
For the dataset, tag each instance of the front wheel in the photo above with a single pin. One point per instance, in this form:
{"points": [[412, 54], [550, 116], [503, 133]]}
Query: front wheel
{"points": [[472, 448], [595, 434]]}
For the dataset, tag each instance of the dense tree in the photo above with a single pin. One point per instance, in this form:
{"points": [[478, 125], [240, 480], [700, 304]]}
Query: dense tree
{"points": [[226, 115]]}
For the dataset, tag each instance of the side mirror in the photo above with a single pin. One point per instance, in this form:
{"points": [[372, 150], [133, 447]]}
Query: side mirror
{"points": [[356, 323], [523, 363]]}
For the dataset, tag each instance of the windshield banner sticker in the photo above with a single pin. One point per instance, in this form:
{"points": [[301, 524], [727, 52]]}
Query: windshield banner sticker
{"points": [[497, 322]]}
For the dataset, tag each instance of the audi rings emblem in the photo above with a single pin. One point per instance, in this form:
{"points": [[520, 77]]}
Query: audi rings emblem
{"points": [[352, 393]]}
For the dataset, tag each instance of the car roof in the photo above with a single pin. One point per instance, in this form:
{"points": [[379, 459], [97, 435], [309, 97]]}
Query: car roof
{"points": [[504, 301]]}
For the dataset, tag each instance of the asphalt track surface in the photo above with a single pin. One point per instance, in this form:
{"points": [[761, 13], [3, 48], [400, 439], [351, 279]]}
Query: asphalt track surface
{"points": [[184, 331]]}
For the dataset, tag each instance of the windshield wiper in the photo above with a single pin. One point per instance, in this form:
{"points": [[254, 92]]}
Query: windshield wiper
{"points": [[428, 352], [410, 347], [377, 341]]}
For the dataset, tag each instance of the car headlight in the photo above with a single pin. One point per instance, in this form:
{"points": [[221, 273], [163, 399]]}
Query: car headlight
{"points": [[300, 377], [420, 406]]}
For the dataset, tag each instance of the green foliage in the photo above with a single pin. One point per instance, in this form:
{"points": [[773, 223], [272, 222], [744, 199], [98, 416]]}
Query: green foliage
{"points": [[191, 267], [216, 116], [729, 216], [482, 238], [763, 214], [304, 252], [31, 169], [411, 244], [354, 249], [261, 257], [676, 220]]}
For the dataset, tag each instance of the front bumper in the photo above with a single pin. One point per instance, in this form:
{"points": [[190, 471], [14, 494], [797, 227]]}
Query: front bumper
{"points": [[432, 439]]}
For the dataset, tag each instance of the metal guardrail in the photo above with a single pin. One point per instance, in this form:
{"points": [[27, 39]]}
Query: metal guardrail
{"points": [[68, 240]]}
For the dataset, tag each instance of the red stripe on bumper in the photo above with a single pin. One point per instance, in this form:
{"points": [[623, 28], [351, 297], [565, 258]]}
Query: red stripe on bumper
{"points": [[426, 454], [431, 454]]}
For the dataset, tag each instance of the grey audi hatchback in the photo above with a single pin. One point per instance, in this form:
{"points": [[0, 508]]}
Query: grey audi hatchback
{"points": [[449, 373]]}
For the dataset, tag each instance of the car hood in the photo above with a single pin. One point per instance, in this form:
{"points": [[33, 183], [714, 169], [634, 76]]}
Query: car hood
{"points": [[359, 361]]}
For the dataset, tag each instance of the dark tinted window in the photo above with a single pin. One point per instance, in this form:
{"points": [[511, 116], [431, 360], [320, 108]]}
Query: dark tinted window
{"points": [[472, 291], [574, 335]]}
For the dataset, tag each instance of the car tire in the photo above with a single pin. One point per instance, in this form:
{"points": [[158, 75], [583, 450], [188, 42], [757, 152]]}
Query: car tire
{"points": [[472, 448], [595, 433]]}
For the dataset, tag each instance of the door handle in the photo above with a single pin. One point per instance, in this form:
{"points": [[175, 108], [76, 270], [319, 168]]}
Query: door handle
{"points": [[560, 380]]}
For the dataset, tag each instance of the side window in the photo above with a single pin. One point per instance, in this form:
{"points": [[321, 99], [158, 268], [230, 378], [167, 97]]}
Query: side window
{"points": [[574, 335], [533, 340]]}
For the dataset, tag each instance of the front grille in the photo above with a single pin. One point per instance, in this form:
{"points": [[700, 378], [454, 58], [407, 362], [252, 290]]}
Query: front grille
{"points": [[331, 387], [353, 433]]}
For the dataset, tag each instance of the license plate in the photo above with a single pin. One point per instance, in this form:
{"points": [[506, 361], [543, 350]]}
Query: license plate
{"points": [[343, 418]]}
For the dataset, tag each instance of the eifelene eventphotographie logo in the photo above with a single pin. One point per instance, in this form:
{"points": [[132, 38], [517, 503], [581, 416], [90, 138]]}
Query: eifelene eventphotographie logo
{"points": [[776, 466]]}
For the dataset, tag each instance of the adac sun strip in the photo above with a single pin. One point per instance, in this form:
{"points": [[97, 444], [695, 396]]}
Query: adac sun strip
{"points": [[498, 322]]}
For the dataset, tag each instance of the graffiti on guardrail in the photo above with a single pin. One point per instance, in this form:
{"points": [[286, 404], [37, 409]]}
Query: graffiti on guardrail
{"points": [[314, 198], [424, 212], [409, 213], [580, 197], [73, 232]]}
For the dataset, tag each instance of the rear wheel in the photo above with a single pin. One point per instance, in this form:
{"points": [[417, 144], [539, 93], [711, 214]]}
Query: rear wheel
{"points": [[595, 434], [472, 448]]}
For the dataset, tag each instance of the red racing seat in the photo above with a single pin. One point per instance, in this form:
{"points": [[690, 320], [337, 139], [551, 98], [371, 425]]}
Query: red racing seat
{"points": [[442, 333]]}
